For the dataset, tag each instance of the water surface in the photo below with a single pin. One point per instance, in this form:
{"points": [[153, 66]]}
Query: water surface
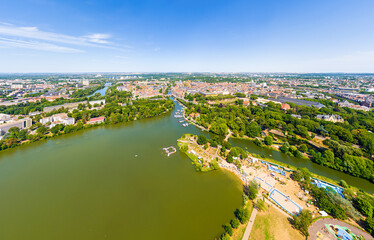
{"points": [[113, 183]]}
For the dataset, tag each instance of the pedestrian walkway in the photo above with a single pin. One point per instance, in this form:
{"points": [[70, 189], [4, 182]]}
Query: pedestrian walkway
{"points": [[250, 224]]}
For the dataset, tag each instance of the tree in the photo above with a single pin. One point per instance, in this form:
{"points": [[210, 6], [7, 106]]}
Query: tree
{"points": [[253, 97], [302, 131], [369, 225], [283, 148], [219, 127], [301, 175], [57, 128], [201, 140], [253, 129], [242, 214], [214, 164], [302, 221], [364, 206], [268, 140], [41, 130], [184, 148], [252, 190], [228, 229], [225, 236], [235, 223], [343, 184], [303, 148], [229, 158]]}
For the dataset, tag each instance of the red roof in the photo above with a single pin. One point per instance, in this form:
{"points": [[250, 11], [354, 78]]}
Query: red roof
{"points": [[97, 119]]}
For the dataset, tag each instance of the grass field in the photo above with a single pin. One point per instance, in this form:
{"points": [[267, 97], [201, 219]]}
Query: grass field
{"points": [[273, 225]]}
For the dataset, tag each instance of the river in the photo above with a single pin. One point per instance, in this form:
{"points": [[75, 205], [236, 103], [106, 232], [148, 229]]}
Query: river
{"points": [[113, 183], [102, 90]]}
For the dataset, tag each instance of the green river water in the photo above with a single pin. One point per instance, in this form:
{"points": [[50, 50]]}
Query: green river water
{"points": [[117, 183], [113, 183]]}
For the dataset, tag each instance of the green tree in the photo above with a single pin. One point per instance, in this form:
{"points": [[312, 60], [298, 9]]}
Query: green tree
{"points": [[364, 206], [369, 225], [201, 140], [252, 190], [228, 229], [184, 148], [42, 130], [235, 223], [242, 214], [214, 164], [302, 221], [268, 140], [253, 129], [303, 148]]}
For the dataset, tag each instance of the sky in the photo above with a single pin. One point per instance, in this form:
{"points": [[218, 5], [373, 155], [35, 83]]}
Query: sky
{"points": [[186, 36]]}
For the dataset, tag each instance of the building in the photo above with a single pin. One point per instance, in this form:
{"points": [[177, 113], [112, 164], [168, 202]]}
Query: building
{"points": [[61, 118], [296, 116], [86, 82], [123, 88], [4, 117], [98, 102], [20, 123], [16, 86], [330, 118], [285, 106], [353, 106], [96, 120]]}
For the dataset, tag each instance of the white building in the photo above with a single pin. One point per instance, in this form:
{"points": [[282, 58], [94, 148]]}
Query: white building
{"points": [[20, 123], [86, 82], [61, 118]]}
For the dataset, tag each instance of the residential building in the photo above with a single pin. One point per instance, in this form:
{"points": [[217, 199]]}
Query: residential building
{"points": [[285, 106], [60, 118], [96, 120], [330, 118]]}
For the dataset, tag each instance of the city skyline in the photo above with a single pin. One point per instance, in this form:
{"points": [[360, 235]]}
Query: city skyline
{"points": [[186, 36]]}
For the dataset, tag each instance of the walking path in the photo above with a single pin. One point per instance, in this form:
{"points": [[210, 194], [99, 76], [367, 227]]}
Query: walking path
{"points": [[228, 135], [250, 224]]}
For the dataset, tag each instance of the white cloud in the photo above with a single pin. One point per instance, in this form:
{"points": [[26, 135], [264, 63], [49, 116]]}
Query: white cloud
{"points": [[7, 43], [33, 37], [99, 38]]}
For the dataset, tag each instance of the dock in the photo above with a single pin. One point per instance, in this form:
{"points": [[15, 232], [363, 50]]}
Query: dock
{"points": [[170, 150]]}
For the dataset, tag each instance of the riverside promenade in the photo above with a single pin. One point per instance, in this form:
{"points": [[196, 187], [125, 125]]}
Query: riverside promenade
{"points": [[251, 221]]}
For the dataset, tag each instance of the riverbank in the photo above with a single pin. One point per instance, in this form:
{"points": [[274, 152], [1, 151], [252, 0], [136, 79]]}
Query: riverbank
{"points": [[48, 133]]}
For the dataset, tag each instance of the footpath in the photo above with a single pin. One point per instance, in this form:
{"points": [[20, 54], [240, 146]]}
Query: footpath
{"points": [[250, 224]]}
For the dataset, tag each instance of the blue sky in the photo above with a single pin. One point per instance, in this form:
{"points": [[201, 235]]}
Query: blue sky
{"points": [[186, 35]]}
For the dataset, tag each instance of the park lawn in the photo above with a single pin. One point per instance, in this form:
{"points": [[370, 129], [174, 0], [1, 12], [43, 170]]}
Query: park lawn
{"points": [[272, 225], [238, 233]]}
